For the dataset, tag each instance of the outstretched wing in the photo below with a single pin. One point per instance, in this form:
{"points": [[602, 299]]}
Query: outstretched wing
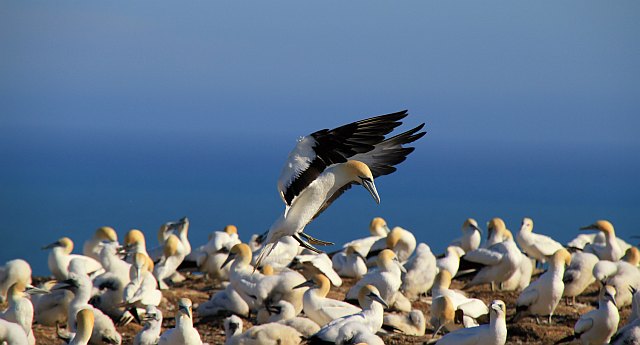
{"points": [[315, 152]]}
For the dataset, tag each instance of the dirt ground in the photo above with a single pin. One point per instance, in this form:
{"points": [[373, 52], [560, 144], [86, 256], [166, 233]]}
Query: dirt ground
{"points": [[526, 331]]}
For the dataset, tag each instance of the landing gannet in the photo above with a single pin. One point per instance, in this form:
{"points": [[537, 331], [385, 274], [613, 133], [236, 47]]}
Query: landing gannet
{"points": [[371, 315], [60, 257], [413, 323], [400, 241], [12, 334], [500, 260], [20, 309], [284, 313], [350, 263], [542, 296], [494, 333], [150, 332], [93, 246], [318, 307], [471, 236], [183, 333], [326, 163], [621, 275], [451, 260], [12, 272], [173, 254], [610, 250], [578, 276], [421, 271], [472, 308], [387, 278], [598, 325], [85, 322], [537, 246], [269, 333]]}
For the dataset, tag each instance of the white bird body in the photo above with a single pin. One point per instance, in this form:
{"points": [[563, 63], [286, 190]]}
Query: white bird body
{"points": [[542, 296], [494, 333], [501, 261], [318, 263], [210, 257], [60, 256], [635, 306], [20, 310], [284, 313], [598, 325], [116, 277], [387, 278], [610, 249], [51, 309], [142, 291], [378, 229], [12, 272], [599, 238], [451, 260], [93, 246], [282, 255], [183, 333], [150, 332], [12, 334], [471, 236], [521, 278], [578, 276], [471, 307], [349, 263], [535, 245], [421, 271], [413, 323], [267, 334], [174, 253], [280, 287], [629, 334], [321, 309], [226, 300], [621, 275], [354, 332]]}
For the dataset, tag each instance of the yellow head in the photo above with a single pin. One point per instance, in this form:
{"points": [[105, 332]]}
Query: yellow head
{"points": [[323, 284], [106, 233], [442, 308], [496, 225], [378, 227], [85, 320], [67, 244], [241, 253], [231, 229], [267, 270], [394, 237], [370, 293], [632, 256], [602, 225], [443, 279], [385, 258], [360, 173], [562, 256], [470, 223], [171, 245], [527, 225], [134, 236]]}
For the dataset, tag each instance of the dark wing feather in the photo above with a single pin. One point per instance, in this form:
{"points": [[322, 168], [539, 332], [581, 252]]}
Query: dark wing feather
{"points": [[338, 145]]}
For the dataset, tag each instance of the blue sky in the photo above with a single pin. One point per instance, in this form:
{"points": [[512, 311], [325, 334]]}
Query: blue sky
{"points": [[123, 109]]}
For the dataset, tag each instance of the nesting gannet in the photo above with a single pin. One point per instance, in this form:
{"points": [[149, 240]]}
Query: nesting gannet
{"points": [[495, 333], [578, 276], [312, 264], [610, 250], [472, 308], [378, 229], [357, 333], [471, 236], [84, 328], [400, 241], [621, 275], [542, 296], [451, 260], [81, 285], [12, 272], [500, 261], [20, 309], [134, 242], [496, 232], [60, 257], [421, 271], [270, 333], [241, 275], [537, 246], [318, 307], [326, 163], [93, 246], [183, 333], [112, 283], [280, 286], [598, 325], [412, 323], [371, 315], [52, 308], [141, 291], [224, 301], [284, 313], [150, 332], [173, 254], [210, 257], [179, 229], [350, 263], [387, 278], [12, 334], [443, 316]]}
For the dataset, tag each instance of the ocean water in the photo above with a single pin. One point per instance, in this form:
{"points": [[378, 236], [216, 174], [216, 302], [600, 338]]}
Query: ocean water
{"points": [[70, 187]]}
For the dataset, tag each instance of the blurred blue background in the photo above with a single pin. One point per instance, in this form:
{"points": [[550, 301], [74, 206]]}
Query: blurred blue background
{"points": [[133, 114]]}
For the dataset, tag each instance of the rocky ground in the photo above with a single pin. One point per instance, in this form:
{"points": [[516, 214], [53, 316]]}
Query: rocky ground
{"points": [[527, 331]]}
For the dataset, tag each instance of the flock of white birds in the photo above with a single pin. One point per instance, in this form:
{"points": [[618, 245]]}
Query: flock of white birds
{"points": [[281, 280]]}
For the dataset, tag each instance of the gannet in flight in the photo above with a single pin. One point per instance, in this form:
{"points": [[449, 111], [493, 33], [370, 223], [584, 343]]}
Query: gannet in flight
{"points": [[326, 163]]}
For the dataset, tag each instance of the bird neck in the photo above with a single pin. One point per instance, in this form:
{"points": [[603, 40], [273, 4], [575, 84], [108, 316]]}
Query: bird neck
{"points": [[183, 321]]}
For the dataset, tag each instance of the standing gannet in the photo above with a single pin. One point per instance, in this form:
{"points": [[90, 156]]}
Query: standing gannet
{"points": [[399, 240], [471, 236], [173, 254], [421, 271], [578, 276], [412, 323], [51, 308], [542, 296], [598, 325], [500, 261], [269, 333], [326, 163], [241, 274], [451, 260], [371, 315], [472, 308], [352, 264], [60, 257], [318, 307], [20, 309], [496, 232], [280, 286], [112, 282], [12, 272], [84, 328], [93, 246], [387, 278], [284, 313], [378, 229], [621, 275], [537, 246], [495, 333], [12, 334], [183, 333], [150, 332], [610, 250], [134, 242], [443, 315], [141, 291]]}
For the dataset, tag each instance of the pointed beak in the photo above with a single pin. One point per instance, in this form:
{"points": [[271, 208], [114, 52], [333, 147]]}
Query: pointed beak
{"points": [[67, 284], [32, 290], [496, 307], [475, 227], [404, 270], [612, 299], [274, 309], [386, 228], [52, 245], [185, 309], [379, 299], [308, 283], [589, 227], [371, 187], [229, 259]]}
